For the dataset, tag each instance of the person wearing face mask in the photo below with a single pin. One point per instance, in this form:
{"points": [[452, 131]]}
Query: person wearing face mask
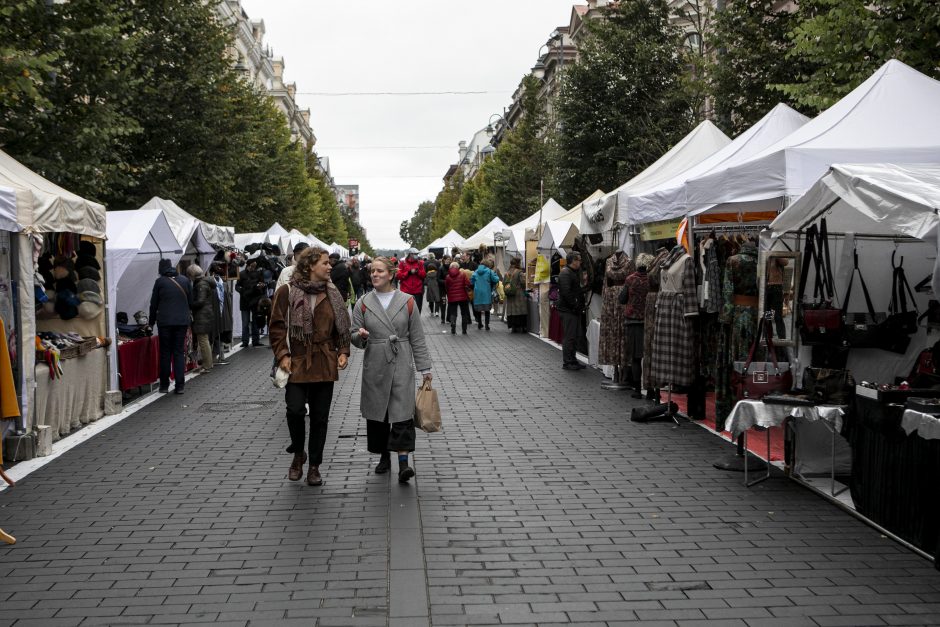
{"points": [[411, 273], [387, 324], [310, 338]]}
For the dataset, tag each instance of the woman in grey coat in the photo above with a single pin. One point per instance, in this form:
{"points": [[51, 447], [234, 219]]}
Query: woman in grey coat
{"points": [[387, 324]]}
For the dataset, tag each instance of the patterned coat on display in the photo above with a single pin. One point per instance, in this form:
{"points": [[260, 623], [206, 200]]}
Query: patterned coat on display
{"points": [[672, 358], [652, 277], [617, 268]]}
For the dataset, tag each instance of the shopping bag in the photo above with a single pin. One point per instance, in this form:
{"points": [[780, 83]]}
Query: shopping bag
{"points": [[427, 409]]}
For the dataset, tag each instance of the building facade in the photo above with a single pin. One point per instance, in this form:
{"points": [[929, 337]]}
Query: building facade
{"points": [[348, 198]]}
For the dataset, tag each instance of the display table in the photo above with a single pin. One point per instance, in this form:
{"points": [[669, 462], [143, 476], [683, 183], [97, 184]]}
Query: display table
{"points": [[894, 473], [138, 362], [76, 398]]}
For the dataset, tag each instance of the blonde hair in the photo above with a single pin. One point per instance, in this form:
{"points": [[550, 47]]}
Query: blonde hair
{"points": [[194, 272], [454, 264]]}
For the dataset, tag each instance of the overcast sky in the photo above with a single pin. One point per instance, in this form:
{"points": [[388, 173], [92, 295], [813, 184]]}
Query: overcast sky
{"points": [[412, 46]]}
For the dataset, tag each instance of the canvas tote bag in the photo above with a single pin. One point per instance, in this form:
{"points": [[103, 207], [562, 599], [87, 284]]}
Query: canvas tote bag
{"points": [[427, 409]]}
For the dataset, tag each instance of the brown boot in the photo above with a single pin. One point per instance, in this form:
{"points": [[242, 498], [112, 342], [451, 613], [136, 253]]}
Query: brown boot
{"points": [[313, 476], [297, 466]]}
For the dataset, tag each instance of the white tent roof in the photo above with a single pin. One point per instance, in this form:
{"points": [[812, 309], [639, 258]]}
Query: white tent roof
{"points": [[316, 241], [667, 200], [515, 241], [28, 201], [891, 117], [557, 235], [243, 239], [601, 214], [339, 250], [276, 229], [184, 225], [449, 240], [484, 236], [218, 236], [140, 231], [551, 210], [870, 199]]}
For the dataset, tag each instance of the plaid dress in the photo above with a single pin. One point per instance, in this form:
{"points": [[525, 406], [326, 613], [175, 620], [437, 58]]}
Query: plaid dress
{"points": [[652, 275], [673, 351]]}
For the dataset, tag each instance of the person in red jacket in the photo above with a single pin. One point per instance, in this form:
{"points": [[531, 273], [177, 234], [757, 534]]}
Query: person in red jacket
{"points": [[456, 284], [411, 275]]}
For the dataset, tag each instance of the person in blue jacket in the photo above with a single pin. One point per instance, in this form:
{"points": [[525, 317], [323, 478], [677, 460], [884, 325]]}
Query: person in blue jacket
{"points": [[484, 281]]}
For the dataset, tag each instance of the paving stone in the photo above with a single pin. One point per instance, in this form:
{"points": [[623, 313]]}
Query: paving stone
{"points": [[539, 503]]}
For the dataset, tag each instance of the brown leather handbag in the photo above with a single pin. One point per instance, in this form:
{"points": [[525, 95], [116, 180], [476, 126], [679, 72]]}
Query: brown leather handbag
{"points": [[752, 380]]}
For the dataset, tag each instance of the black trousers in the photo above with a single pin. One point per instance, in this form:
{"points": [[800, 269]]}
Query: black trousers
{"points": [[419, 300], [484, 314], [250, 325], [319, 396], [172, 349], [382, 437], [571, 325], [443, 306], [464, 307]]}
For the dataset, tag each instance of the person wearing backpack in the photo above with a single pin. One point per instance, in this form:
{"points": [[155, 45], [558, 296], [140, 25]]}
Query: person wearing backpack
{"points": [[484, 280], [387, 325]]}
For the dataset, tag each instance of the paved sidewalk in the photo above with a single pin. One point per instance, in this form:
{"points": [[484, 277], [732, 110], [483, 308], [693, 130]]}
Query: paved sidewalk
{"points": [[539, 504]]}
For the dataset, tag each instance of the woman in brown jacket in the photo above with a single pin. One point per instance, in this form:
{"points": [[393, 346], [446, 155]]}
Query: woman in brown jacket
{"points": [[309, 333]]}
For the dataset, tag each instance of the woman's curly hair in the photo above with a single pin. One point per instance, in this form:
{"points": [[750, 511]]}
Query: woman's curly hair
{"points": [[306, 260]]}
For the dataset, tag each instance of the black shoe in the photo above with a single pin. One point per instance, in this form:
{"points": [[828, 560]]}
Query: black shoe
{"points": [[453, 331], [464, 332], [487, 327], [579, 365], [164, 390], [178, 391], [258, 343], [479, 325], [385, 463], [405, 472], [569, 367], [243, 345]]}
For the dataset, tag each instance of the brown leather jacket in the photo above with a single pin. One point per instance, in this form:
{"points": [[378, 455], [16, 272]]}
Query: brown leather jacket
{"points": [[314, 361]]}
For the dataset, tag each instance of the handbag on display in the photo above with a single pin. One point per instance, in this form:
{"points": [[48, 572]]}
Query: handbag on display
{"points": [[819, 321], [829, 386], [901, 323], [863, 329], [752, 380]]}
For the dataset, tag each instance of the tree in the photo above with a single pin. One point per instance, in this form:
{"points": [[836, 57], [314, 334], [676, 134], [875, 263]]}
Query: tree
{"points": [[623, 104], [445, 204], [24, 65], [751, 39], [843, 43], [417, 230]]}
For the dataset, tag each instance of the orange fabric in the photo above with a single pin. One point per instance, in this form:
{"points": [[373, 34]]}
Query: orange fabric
{"points": [[753, 216], [9, 408]]}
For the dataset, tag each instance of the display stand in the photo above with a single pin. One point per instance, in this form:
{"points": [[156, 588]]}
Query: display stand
{"points": [[614, 383]]}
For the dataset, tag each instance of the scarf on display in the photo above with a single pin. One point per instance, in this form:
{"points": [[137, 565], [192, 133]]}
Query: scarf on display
{"points": [[301, 321]]}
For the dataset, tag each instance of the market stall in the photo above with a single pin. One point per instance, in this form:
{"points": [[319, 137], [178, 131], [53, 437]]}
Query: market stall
{"points": [[137, 240], [43, 223], [188, 232]]}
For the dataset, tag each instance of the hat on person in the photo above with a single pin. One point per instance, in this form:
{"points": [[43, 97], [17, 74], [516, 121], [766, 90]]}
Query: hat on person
{"points": [[165, 266]]}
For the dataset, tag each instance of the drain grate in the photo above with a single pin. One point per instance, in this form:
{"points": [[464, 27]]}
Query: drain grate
{"points": [[225, 408]]}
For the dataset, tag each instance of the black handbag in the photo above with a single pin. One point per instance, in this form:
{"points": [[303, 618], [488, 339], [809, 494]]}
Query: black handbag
{"points": [[829, 386], [901, 324], [861, 329], [819, 322]]}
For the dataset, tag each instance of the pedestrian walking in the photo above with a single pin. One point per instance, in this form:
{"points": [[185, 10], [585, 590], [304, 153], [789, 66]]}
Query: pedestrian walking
{"points": [[387, 324], [355, 277], [170, 306], [484, 281], [310, 339], [457, 286], [571, 307], [517, 305], [441, 277], [431, 285], [284, 277], [251, 286], [339, 275], [206, 318], [411, 276]]}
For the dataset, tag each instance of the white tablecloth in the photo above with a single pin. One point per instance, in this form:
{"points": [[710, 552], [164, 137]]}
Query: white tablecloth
{"points": [[926, 426], [75, 399], [748, 414]]}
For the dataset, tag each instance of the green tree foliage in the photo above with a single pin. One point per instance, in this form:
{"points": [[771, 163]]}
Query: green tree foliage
{"points": [[145, 102], [445, 204], [751, 40], [356, 232], [417, 231], [623, 104], [845, 42]]}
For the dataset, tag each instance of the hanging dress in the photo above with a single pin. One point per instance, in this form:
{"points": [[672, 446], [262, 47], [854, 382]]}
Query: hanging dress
{"points": [[649, 319], [610, 347], [672, 358]]}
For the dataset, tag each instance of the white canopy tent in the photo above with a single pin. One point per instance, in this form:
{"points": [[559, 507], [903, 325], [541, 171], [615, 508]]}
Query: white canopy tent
{"points": [[574, 214], [244, 239], [557, 235], [137, 240], [218, 236], [891, 117], [450, 240], [867, 208], [339, 250], [186, 228], [600, 215], [551, 210], [313, 240], [484, 237], [668, 199], [30, 205]]}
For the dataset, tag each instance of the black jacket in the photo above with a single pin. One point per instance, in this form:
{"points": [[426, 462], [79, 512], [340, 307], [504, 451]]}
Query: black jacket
{"points": [[251, 286], [171, 300], [340, 278], [570, 292], [205, 307]]}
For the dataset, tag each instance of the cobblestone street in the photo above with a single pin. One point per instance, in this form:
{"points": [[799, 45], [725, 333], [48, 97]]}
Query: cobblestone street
{"points": [[540, 503]]}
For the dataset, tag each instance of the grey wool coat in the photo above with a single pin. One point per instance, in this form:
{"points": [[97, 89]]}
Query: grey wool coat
{"points": [[395, 349]]}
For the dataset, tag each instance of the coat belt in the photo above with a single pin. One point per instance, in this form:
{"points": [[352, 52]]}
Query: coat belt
{"points": [[392, 344]]}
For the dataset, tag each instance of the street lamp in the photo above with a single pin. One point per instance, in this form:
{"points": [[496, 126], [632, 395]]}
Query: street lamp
{"points": [[499, 120]]}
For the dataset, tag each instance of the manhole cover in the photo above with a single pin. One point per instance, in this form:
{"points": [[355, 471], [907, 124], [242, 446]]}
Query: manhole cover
{"points": [[224, 408]]}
